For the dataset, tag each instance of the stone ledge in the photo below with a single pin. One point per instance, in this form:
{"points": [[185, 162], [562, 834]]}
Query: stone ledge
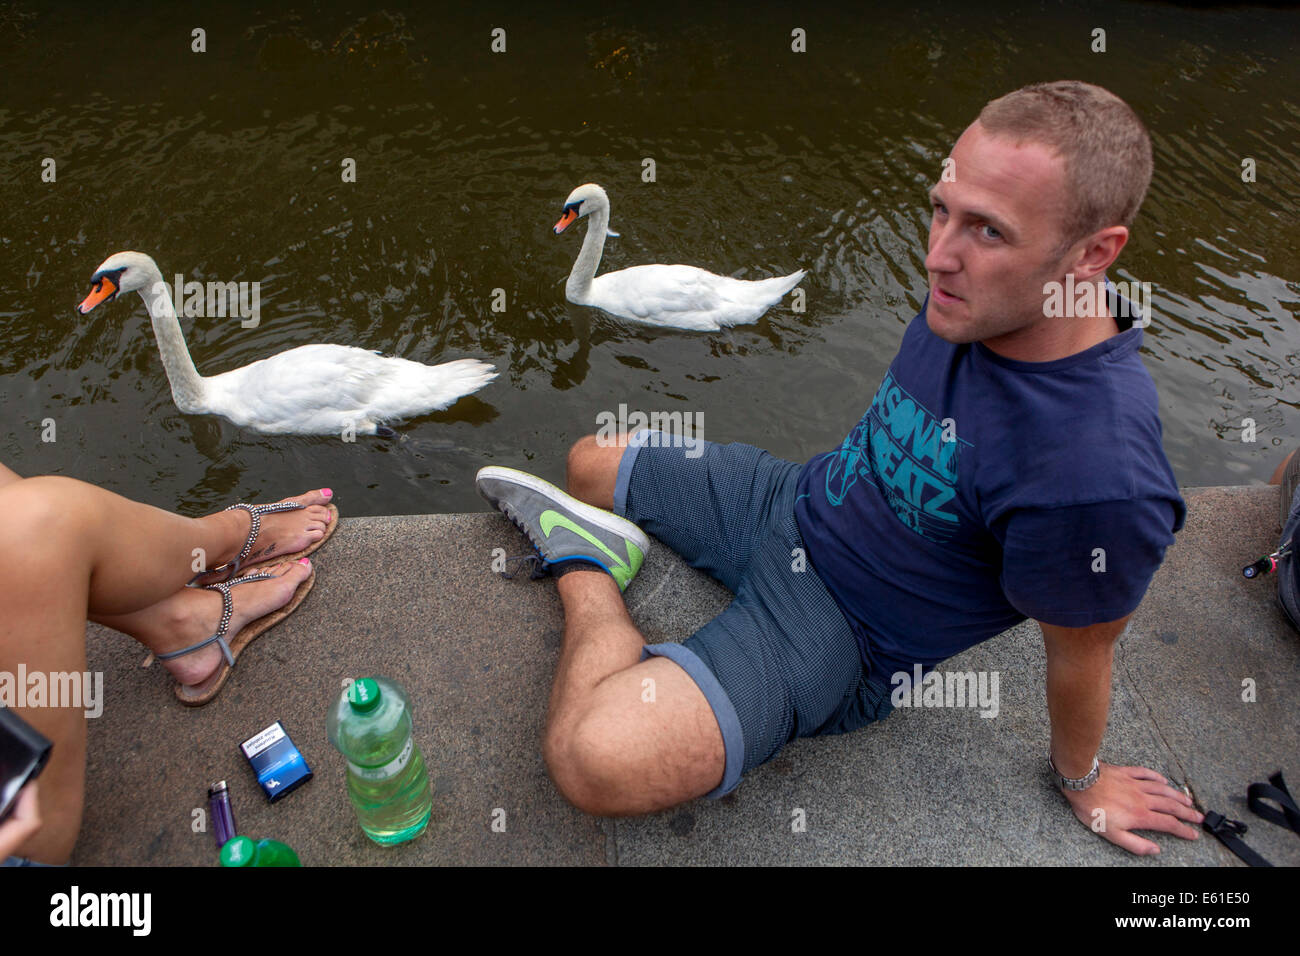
{"points": [[413, 598]]}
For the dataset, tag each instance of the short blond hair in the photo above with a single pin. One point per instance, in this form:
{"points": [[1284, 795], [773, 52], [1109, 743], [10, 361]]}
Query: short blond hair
{"points": [[1105, 146]]}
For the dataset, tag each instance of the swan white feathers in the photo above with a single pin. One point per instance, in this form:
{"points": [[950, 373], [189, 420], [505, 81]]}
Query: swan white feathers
{"points": [[677, 296], [309, 390]]}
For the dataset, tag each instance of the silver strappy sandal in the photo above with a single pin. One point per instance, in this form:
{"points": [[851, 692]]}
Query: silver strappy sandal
{"points": [[255, 512], [198, 694]]}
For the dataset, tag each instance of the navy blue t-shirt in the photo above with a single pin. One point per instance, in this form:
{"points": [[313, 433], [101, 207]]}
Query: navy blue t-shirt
{"points": [[978, 491]]}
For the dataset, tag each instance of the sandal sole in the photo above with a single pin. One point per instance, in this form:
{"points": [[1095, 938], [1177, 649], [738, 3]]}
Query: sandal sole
{"points": [[196, 695]]}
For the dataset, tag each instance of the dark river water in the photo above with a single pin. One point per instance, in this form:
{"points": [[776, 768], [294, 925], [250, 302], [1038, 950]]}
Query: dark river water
{"points": [[225, 165]]}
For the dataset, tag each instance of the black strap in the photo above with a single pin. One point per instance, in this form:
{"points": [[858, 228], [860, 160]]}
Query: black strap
{"points": [[1288, 816], [1229, 832]]}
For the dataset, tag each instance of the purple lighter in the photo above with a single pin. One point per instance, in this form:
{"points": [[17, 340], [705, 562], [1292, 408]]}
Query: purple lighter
{"points": [[223, 817]]}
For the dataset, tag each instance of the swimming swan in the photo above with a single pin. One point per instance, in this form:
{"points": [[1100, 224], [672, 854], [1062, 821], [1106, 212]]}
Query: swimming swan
{"points": [[309, 390], [679, 297]]}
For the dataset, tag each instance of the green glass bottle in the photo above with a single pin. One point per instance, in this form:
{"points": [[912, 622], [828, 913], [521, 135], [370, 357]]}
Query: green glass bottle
{"points": [[241, 851], [370, 724]]}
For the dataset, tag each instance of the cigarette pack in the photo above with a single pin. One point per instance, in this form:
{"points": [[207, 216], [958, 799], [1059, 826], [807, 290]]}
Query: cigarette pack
{"points": [[275, 760]]}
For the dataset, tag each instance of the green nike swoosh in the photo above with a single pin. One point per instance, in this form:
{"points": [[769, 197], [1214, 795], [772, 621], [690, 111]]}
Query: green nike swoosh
{"points": [[553, 519]]}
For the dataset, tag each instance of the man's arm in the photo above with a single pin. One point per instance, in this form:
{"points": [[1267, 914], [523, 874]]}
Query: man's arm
{"points": [[1078, 699]]}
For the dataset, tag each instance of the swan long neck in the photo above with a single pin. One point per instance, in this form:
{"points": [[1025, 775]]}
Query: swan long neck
{"points": [[186, 383], [593, 245]]}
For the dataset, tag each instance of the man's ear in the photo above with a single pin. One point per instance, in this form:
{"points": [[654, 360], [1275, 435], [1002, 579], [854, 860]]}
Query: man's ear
{"points": [[1096, 253]]}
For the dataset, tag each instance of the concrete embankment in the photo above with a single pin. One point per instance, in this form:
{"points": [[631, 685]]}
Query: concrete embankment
{"points": [[415, 598]]}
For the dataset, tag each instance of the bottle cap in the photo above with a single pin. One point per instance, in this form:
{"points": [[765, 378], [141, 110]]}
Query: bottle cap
{"points": [[364, 695], [238, 851]]}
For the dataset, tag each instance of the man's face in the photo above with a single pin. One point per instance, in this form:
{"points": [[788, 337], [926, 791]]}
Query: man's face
{"points": [[993, 234]]}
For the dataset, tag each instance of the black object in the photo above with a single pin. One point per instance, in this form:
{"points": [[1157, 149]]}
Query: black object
{"points": [[23, 753], [1264, 565], [1268, 563], [532, 563], [1230, 832], [1275, 790]]}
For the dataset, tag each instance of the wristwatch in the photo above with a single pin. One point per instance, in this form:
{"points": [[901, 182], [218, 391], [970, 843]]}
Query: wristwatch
{"points": [[1079, 783]]}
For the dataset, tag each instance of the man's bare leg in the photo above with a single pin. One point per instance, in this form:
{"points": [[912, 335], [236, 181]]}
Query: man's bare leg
{"points": [[622, 736], [593, 470]]}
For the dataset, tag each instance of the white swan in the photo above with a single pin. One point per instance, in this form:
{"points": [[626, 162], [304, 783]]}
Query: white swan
{"points": [[679, 297], [309, 390]]}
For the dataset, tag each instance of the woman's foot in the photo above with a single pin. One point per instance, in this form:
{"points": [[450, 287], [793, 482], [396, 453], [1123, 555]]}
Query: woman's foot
{"points": [[194, 614], [281, 533]]}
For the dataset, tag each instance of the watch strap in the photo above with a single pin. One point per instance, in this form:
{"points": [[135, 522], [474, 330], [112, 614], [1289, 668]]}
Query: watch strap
{"points": [[1075, 783]]}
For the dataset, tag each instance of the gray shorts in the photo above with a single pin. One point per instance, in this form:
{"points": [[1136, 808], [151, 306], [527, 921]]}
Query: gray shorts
{"points": [[781, 661]]}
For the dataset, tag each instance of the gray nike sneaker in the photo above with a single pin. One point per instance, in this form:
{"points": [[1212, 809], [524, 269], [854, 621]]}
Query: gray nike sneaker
{"points": [[561, 527]]}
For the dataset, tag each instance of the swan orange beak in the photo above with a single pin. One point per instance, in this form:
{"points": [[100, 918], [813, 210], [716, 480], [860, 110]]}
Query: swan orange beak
{"points": [[105, 288], [566, 220]]}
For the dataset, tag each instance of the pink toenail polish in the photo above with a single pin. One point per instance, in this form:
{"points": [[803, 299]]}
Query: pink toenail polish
{"points": [[304, 561], [327, 492]]}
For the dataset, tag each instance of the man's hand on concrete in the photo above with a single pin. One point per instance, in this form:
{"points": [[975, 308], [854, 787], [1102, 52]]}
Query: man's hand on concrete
{"points": [[1125, 799]]}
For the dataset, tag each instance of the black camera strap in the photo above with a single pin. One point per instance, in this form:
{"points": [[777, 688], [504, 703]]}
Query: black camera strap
{"points": [[1230, 832]]}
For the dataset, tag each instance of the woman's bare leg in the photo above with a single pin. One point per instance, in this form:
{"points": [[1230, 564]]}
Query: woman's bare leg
{"points": [[135, 554], [191, 615], [67, 549], [164, 622], [46, 631]]}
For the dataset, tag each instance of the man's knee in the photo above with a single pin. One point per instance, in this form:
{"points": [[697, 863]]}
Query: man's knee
{"points": [[580, 454], [592, 469], [584, 761]]}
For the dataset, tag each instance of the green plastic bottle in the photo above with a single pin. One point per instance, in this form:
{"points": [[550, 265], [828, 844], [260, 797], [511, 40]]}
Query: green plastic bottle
{"points": [[241, 851], [370, 724]]}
